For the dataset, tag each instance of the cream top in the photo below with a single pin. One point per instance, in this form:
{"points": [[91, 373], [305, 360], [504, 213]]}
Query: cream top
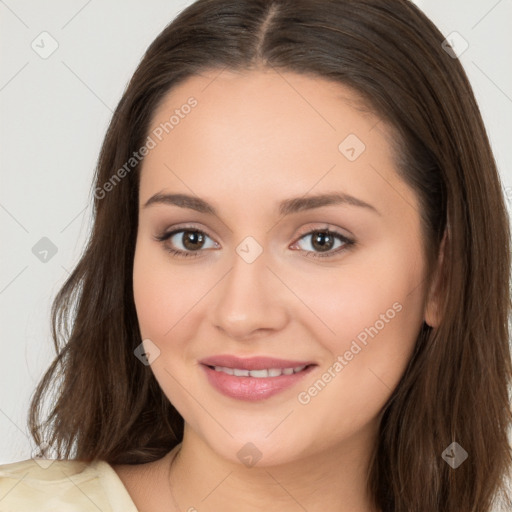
{"points": [[64, 486]]}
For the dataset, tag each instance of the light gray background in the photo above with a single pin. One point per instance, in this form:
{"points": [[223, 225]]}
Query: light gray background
{"points": [[54, 113]]}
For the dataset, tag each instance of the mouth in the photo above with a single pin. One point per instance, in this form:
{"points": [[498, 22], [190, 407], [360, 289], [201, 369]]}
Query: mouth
{"points": [[254, 363], [255, 384], [259, 374]]}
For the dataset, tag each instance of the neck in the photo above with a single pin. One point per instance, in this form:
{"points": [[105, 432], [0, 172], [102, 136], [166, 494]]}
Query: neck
{"points": [[331, 480]]}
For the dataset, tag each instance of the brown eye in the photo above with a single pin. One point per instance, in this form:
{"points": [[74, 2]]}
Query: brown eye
{"points": [[324, 241], [192, 240], [189, 242]]}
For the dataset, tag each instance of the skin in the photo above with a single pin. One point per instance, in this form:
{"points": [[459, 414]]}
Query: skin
{"points": [[255, 139]]}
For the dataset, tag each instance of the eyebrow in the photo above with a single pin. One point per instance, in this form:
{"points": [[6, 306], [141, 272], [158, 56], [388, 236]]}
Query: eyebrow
{"points": [[286, 207]]}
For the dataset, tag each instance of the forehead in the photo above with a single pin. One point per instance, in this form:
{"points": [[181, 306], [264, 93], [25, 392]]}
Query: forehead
{"points": [[268, 99], [268, 132]]}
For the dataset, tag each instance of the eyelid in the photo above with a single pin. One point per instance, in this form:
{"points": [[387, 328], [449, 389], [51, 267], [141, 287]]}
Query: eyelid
{"points": [[167, 235], [306, 230], [185, 227], [303, 231], [348, 241]]}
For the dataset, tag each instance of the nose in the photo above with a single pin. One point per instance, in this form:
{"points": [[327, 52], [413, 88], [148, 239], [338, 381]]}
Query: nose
{"points": [[251, 300]]}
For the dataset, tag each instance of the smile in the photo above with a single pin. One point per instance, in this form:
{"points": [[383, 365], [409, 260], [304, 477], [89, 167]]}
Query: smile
{"points": [[254, 385], [260, 374]]}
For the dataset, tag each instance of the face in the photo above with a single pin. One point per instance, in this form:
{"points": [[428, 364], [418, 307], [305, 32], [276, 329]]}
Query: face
{"points": [[335, 283]]}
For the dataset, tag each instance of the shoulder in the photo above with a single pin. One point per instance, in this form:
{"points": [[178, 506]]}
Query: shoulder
{"points": [[46, 485]]}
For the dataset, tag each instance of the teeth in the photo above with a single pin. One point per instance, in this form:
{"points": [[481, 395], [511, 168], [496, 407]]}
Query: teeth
{"points": [[271, 372]]}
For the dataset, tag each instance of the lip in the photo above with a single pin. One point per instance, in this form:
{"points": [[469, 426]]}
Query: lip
{"points": [[252, 388], [252, 363]]}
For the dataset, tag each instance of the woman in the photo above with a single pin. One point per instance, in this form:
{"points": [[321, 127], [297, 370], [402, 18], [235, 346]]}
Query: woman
{"points": [[296, 290]]}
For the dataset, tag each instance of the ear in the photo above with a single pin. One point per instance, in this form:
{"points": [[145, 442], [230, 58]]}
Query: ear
{"points": [[434, 299]]}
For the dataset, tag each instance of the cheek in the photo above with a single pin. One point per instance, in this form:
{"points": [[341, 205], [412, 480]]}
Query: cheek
{"points": [[164, 296], [155, 292], [375, 311], [376, 295], [163, 292]]}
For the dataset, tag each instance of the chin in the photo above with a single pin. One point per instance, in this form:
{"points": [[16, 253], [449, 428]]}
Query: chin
{"points": [[256, 450]]}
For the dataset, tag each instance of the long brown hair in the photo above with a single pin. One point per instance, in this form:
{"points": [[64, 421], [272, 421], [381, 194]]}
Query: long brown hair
{"points": [[107, 405]]}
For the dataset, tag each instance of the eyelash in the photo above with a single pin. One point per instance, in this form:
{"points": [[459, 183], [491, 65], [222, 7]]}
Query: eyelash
{"points": [[348, 243]]}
